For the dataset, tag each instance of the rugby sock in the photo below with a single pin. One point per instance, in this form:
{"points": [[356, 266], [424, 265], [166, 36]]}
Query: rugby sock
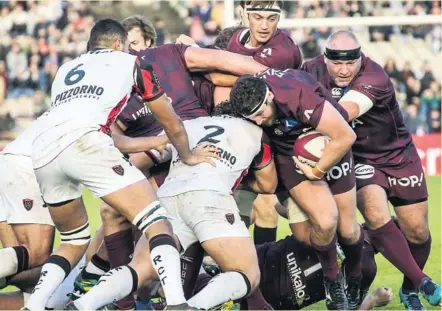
{"points": [[353, 255], [369, 267], [391, 243], [114, 285], [327, 255], [166, 262], [226, 286], [191, 261], [420, 254], [52, 275], [97, 265], [256, 301], [263, 235], [201, 282], [14, 260], [120, 247]]}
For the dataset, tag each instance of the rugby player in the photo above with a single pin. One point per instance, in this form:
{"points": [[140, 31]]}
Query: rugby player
{"points": [[73, 149], [288, 103], [387, 165], [172, 64], [202, 209]]}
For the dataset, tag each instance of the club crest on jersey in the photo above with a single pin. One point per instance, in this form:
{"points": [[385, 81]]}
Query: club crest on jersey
{"points": [[28, 203], [336, 92], [278, 132], [118, 169], [267, 52], [230, 218]]}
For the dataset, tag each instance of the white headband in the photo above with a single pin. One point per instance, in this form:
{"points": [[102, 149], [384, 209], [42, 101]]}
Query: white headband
{"points": [[276, 9]]}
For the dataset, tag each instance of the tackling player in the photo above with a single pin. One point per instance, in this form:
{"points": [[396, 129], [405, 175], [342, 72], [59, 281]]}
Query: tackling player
{"points": [[288, 103], [199, 200], [73, 149], [172, 64], [388, 167]]}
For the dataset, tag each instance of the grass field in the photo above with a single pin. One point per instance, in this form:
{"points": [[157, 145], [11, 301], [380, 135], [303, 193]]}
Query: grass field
{"points": [[387, 276]]}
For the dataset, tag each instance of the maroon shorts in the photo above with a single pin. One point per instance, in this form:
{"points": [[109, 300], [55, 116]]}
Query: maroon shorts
{"points": [[404, 182], [340, 178]]}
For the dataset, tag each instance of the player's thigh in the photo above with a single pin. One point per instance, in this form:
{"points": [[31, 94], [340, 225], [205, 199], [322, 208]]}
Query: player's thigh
{"points": [[265, 212], [413, 220], [322, 211], [373, 204], [38, 238], [348, 226], [20, 192], [7, 235], [112, 220], [245, 200]]}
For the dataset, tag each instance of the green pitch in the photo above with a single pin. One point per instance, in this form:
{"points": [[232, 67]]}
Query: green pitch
{"points": [[388, 276]]}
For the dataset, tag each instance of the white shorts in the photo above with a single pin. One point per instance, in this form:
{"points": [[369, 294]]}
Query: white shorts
{"points": [[93, 161], [20, 197], [294, 212], [203, 215]]}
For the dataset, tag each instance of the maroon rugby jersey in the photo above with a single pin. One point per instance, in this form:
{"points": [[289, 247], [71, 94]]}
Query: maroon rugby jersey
{"points": [[280, 52], [381, 133], [299, 99], [170, 67]]}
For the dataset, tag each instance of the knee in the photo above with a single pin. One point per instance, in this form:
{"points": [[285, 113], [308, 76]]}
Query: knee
{"points": [[349, 232], [326, 222], [253, 276], [110, 215], [417, 233], [39, 251], [265, 213]]}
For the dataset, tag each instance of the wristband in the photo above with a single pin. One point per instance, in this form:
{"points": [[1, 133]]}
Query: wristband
{"points": [[315, 173], [317, 167]]}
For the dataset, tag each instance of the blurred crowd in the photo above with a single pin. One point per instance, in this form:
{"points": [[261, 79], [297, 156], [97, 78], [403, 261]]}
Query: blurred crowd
{"points": [[36, 37]]}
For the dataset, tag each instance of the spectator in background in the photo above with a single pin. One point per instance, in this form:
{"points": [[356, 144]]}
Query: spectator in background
{"points": [[407, 72], [428, 76], [413, 88], [16, 61], [434, 121], [3, 81], [391, 69], [161, 32], [379, 33], [414, 122], [19, 20], [310, 48]]}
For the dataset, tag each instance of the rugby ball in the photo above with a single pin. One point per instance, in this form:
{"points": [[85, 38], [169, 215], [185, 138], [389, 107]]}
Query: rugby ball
{"points": [[309, 146]]}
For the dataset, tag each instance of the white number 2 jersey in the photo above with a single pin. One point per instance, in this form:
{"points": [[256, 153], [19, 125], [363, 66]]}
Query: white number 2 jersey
{"points": [[240, 145], [87, 95]]}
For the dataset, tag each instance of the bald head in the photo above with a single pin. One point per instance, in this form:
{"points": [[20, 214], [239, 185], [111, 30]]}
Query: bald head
{"points": [[342, 40]]}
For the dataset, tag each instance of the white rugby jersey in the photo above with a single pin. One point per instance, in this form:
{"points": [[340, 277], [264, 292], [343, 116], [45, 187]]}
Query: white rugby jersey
{"points": [[22, 144], [240, 144], [87, 95]]}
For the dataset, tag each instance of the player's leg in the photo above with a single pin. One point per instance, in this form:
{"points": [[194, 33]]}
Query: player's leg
{"points": [[323, 215], [386, 236], [125, 280], [351, 239], [215, 220], [105, 171], [409, 196], [7, 235], [266, 219]]}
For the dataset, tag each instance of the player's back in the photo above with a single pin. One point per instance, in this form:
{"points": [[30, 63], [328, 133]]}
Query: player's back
{"points": [[87, 94], [169, 64], [237, 141]]}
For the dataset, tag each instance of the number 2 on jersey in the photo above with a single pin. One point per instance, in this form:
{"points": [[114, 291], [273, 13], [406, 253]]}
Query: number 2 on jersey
{"points": [[215, 131], [74, 75]]}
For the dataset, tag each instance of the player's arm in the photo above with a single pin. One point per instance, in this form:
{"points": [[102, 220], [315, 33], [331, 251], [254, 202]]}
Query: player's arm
{"points": [[118, 127], [342, 137], [221, 79], [199, 59], [356, 104], [327, 120], [128, 144], [264, 171]]}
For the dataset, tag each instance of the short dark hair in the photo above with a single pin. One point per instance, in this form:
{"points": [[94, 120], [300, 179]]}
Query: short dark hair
{"points": [[105, 32], [246, 93], [144, 24], [222, 40], [262, 3], [226, 108]]}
